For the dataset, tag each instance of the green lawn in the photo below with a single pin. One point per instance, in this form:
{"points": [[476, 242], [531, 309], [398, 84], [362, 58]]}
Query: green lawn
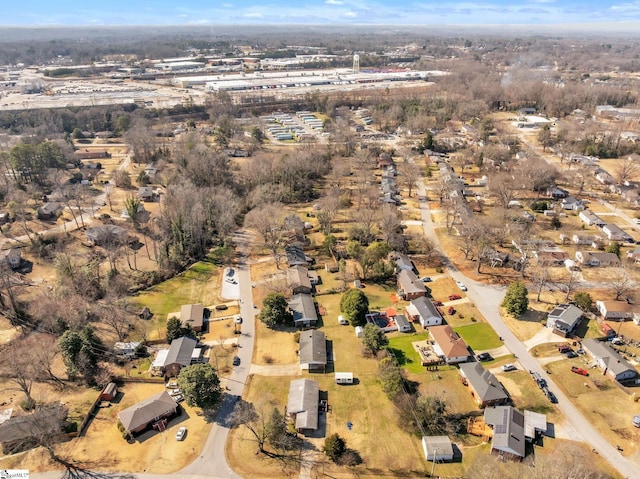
{"points": [[479, 336], [404, 352], [199, 284]]}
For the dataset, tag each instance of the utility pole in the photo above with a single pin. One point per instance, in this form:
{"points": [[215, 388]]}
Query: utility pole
{"points": [[433, 467]]}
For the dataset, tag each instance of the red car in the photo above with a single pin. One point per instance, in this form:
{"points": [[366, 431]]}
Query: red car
{"points": [[436, 302], [451, 311], [577, 370], [454, 297], [563, 348]]}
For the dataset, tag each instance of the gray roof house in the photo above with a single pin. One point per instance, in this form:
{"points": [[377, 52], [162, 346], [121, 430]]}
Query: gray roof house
{"points": [[49, 210], [402, 261], [615, 233], [508, 431], [302, 404], [106, 235], [298, 279], [179, 355], [409, 285], [153, 412], [303, 309], [423, 310], [609, 360], [564, 318], [296, 256], [192, 315], [483, 385], [597, 258], [590, 218], [313, 350]]}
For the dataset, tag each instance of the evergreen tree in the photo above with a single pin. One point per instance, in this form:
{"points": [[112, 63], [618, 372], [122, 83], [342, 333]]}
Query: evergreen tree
{"points": [[516, 299]]}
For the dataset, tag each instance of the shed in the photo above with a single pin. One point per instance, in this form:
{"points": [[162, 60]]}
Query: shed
{"points": [[402, 323], [109, 392], [344, 378], [437, 448], [359, 331]]}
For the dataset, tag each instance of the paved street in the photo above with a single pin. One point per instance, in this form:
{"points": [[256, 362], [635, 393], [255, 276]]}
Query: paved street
{"points": [[487, 299]]}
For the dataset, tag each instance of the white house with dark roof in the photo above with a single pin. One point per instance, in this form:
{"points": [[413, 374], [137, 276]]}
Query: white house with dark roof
{"points": [[564, 318], [591, 219], [423, 311], [615, 233], [616, 310], [608, 360]]}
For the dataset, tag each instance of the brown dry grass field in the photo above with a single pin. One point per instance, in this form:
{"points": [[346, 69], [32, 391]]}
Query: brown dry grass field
{"points": [[103, 446], [608, 408]]}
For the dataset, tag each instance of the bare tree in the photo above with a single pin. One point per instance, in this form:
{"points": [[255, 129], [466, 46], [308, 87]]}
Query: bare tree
{"points": [[329, 207], [503, 187], [540, 278], [620, 284], [569, 283], [627, 170], [409, 174], [268, 221]]}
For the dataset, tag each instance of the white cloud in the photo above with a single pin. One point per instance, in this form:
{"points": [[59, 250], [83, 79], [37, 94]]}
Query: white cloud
{"points": [[350, 14], [253, 15], [334, 2]]}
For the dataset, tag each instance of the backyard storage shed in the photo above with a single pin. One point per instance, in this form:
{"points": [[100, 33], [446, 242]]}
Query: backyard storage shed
{"points": [[437, 448], [344, 378], [109, 392], [359, 331], [303, 404], [402, 323]]}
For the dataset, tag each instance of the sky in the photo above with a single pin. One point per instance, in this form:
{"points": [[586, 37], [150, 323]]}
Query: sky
{"points": [[361, 12]]}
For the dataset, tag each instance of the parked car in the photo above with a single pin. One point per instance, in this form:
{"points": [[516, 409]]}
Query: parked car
{"points": [[180, 435], [426, 279], [453, 297], [178, 398], [581, 371], [451, 310], [172, 384], [175, 392], [484, 357], [552, 397], [509, 367], [563, 348], [580, 351], [461, 285], [571, 354], [236, 361], [542, 383], [436, 302]]}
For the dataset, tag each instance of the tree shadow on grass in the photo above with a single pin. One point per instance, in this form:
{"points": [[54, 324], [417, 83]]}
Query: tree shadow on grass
{"points": [[401, 357]]}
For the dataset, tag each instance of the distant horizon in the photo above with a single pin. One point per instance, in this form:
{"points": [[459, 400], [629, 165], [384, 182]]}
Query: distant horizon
{"points": [[158, 13]]}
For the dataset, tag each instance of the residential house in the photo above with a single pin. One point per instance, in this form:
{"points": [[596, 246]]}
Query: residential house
{"points": [[20, 433], [303, 404], [437, 448], [192, 315], [604, 177], [402, 261], [145, 193], [591, 219], [49, 211], [11, 257], [564, 318], [126, 349], [571, 203], [313, 351], [615, 310], [298, 280], [483, 385], [594, 241], [151, 171], [181, 353], [448, 345], [632, 196], [296, 256], [551, 256], [304, 310], [107, 235], [634, 255], [153, 412], [557, 193], [608, 360], [597, 258], [534, 425], [409, 285], [615, 233], [508, 432], [423, 311]]}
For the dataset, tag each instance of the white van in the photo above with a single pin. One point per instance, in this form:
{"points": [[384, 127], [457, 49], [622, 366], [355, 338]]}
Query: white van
{"points": [[342, 321]]}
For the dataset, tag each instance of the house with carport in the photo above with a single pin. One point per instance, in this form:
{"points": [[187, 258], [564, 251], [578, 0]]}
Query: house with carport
{"points": [[303, 405], [422, 310], [313, 351]]}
